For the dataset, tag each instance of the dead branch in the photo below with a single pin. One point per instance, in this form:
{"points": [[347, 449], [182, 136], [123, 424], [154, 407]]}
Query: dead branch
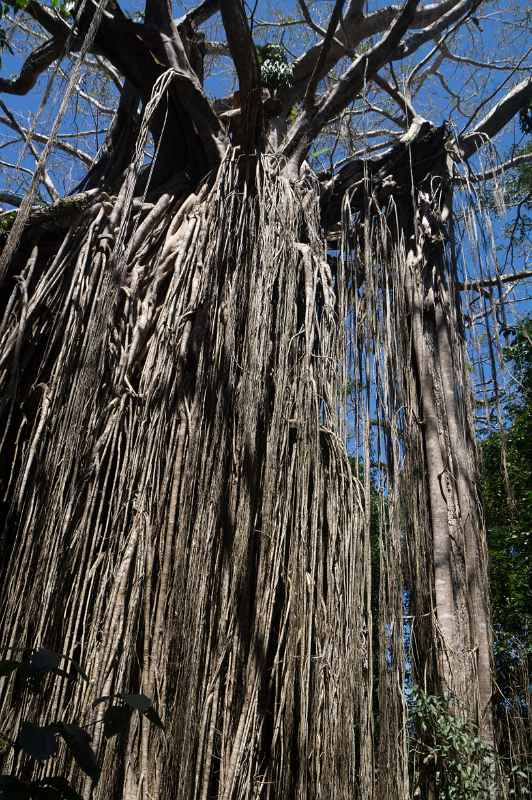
{"points": [[475, 285], [516, 99]]}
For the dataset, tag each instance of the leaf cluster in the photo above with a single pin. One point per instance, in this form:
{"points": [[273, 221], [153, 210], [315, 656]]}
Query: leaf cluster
{"points": [[447, 751], [509, 515], [41, 742], [276, 72]]}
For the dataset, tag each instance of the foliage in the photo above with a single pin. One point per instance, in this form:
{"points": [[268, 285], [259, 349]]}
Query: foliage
{"points": [[447, 751], [41, 742], [276, 72], [509, 524], [525, 119], [509, 516]]}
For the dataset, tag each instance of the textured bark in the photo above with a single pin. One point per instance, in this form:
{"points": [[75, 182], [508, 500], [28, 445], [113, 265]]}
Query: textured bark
{"points": [[458, 535], [181, 513], [410, 320]]}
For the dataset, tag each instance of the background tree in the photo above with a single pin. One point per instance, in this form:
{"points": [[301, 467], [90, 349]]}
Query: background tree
{"points": [[507, 462], [179, 509]]}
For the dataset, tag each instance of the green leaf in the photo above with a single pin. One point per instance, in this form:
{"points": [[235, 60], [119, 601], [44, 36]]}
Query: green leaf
{"points": [[8, 666], [39, 742], [61, 786], [116, 720], [138, 701], [154, 717], [43, 660], [77, 740], [13, 789]]}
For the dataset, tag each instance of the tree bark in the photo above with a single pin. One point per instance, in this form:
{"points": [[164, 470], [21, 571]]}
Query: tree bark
{"points": [[458, 535], [181, 516]]}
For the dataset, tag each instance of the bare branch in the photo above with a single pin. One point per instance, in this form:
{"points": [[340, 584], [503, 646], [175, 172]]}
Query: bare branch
{"points": [[108, 70], [308, 19], [47, 19], [197, 16], [100, 107], [516, 99], [495, 92], [401, 99], [36, 63], [494, 65], [523, 158], [11, 199], [461, 10], [468, 286], [217, 48], [326, 45], [355, 28], [46, 180], [42, 139], [309, 124], [16, 167]]}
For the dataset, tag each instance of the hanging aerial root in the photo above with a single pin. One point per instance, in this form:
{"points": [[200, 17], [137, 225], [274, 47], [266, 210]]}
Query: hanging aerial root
{"points": [[414, 431], [182, 517]]}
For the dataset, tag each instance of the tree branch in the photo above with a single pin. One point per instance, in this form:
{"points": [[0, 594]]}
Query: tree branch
{"points": [[523, 158], [355, 28], [36, 63], [247, 68], [335, 17], [473, 62], [401, 99], [11, 199], [468, 286], [309, 124], [42, 139], [414, 42], [516, 99], [197, 16], [47, 19], [46, 180]]}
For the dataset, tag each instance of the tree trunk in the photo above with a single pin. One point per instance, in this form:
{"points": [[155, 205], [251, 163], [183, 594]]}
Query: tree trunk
{"points": [[439, 361], [408, 322], [181, 516]]}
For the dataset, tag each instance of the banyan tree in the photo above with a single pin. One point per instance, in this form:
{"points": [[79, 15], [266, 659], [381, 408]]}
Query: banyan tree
{"points": [[186, 338]]}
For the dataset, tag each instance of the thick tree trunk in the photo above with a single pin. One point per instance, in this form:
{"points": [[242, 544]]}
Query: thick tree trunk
{"points": [[451, 469], [179, 510], [181, 517], [409, 327]]}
